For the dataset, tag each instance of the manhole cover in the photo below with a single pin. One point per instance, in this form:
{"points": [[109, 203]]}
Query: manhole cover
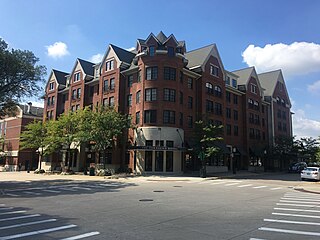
{"points": [[146, 200], [158, 191], [177, 186]]}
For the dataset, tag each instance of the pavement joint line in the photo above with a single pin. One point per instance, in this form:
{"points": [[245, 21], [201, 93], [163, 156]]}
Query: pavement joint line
{"points": [[27, 234], [292, 222], [295, 215], [90, 234], [290, 231], [297, 210], [20, 217], [28, 224], [297, 205], [14, 212]]}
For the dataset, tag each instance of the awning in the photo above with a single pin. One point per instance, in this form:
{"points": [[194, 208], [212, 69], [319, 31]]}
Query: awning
{"points": [[257, 151], [240, 151]]}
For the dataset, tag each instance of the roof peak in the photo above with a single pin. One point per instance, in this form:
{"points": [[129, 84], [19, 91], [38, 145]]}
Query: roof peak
{"points": [[210, 45]]}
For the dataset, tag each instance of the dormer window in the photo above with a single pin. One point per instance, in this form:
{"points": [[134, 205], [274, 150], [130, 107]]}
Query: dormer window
{"points": [[170, 51], [110, 65], [179, 50], [151, 51], [228, 80], [253, 88], [214, 70], [234, 83], [217, 91], [51, 86], [76, 77]]}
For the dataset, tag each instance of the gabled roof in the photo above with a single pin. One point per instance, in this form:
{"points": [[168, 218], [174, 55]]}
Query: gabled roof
{"points": [[60, 76], [244, 75], [269, 81], [88, 67], [197, 57], [123, 55], [161, 37]]}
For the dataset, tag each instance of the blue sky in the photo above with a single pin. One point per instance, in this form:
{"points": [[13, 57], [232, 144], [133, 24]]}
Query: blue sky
{"points": [[282, 34]]}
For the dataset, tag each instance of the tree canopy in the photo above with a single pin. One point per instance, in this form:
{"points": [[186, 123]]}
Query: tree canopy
{"points": [[19, 76]]}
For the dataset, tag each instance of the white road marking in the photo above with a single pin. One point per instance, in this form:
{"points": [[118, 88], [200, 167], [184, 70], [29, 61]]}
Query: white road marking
{"points": [[12, 195], [21, 217], [247, 185], [256, 239], [37, 232], [290, 231], [297, 205], [300, 199], [82, 236], [295, 215], [277, 188], [67, 189], [293, 222], [51, 191], [6, 208], [260, 187], [216, 183], [32, 193], [82, 188], [300, 210], [301, 196], [2, 205], [231, 184], [14, 212], [27, 224], [95, 186], [287, 201]]}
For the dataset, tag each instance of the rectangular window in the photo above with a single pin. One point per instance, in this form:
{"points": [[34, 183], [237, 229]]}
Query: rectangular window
{"points": [[258, 135], [139, 76], [150, 94], [151, 51], [235, 99], [181, 76], [253, 88], [149, 143], [190, 83], [52, 100], [159, 143], [235, 130], [169, 95], [170, 51], [91, 91], [150, 116], [76, 77], [251, 133], [190, 121], [111, 101], [169, 161], [48, 101], [129, 100], [112, 84], [235, 115], [214, 70], [138, 96], [256, 119], [78, 93], [228, 80], [169, 143], [77, 106], [152, 73], [148, 161], [109, 65], [181, 97], [130, 81], [209, 106], [251, 118], [137, 117], [228, 126], [105, 102], [284, 116], [169, 117], [51, 86], [234, 83], [284, 127], [159, 161], [279, 113], [181, 119], [228, 96], [263, 123], [218, 108], [169, 73], [74, 94], [190, 102], [228, 112]]}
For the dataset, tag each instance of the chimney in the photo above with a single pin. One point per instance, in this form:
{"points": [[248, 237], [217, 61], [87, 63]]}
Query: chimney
{"points": [[29, 107]]}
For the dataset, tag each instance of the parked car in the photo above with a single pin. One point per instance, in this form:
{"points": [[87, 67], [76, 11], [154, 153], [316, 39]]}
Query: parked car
{"points": [[297, 167], [310, 173]]}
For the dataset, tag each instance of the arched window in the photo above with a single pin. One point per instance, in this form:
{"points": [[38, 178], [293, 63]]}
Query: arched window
{"points": [[278, 100], [217, 91], [283, 102], [256, 105], [209, 88]]}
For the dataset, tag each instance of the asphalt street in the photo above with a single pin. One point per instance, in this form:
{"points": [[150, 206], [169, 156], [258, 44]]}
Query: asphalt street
{"points": [[257, 207]]}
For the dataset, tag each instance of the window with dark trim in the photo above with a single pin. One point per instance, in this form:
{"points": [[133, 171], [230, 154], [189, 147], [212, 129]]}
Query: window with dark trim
{"points": [[129, 100], [111, 101], [151, 73], [235, 99], [228, 128], [150, 116], [235, 115], [169, 95], [228, 112], [169, 73], [112, 84], [190, 83], [152, 51], [209, 106], [217, 91], [181, 119], [181, 97], [169, 117], [190, 121], [218, 108], [105, 85], [137, 117], [228, 96], [138, 94], [190, 102], [78, 93], [150, 94], [214, 70], [209, 88], [235, 130], [170, 51], [130, 80]]}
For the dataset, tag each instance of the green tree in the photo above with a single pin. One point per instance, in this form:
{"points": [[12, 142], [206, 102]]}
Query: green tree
{"points": [[107, 127], [285, 150], [308, 149], [206, 136], [35, 137], [19, 76]]}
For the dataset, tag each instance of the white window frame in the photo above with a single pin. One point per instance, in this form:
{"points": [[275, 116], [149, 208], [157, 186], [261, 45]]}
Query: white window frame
{"points": [[110, 64], [51, 86], [76, 77], [253, 88], [214, 70]]}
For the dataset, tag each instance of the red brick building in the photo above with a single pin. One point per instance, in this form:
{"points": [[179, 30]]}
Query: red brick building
{"points": [[10, 130], [166, 89]]}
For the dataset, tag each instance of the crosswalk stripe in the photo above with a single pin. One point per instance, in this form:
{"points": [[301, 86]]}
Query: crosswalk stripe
{"points": [[287, 201], [297, 205], [82, 236], [256, 239], [260, 187], [293, 222], [231, 184], [295, 215], [67, 189], [247, 185], [32, 193], [294, 209], [6, 208], [20, 217], [51, 191], [28, 224], [12, 195], [14, 212], [216, 183], [37, 232], [277, 188], [2, 205], [300, 199], [304, 198], [290, 231], [82, 188]]}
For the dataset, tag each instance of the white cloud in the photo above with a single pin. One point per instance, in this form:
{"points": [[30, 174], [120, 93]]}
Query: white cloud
{"points": [[315, 87], [304, 127], [96, 58], [57, 50], [298, 58]]}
